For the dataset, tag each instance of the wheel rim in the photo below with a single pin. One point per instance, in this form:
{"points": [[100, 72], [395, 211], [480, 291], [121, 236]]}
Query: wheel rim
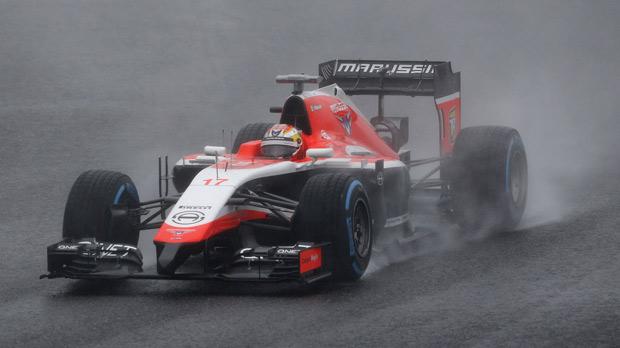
{"points": [[517, 183], [361, 229]]}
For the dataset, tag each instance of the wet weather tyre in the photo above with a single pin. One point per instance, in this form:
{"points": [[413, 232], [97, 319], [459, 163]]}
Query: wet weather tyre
{"points": [[335, 208], [252, 131], [88, 211], [489, 186]]}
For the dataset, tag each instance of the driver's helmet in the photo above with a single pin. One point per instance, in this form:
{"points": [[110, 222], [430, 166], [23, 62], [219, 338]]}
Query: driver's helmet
{"points": [[281, 140]]}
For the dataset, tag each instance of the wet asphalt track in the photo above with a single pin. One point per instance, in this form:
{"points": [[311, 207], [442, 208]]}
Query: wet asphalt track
{"points": [[111, 84], [551, 285]]}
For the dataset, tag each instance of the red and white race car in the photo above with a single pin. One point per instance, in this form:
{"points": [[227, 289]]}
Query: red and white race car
{"points": [[302, 199]]}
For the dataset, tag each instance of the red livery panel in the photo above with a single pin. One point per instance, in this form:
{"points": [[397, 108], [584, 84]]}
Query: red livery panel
{"points": [[194, 234]]}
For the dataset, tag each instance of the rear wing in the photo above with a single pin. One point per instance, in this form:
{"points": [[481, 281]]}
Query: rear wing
{"points": [[391, 77], [408, 78]]}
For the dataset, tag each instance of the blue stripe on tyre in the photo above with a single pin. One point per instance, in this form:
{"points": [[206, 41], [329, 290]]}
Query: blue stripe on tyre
{"points": [[132, 190], [352, 186], [119, 193], [350, 234]]}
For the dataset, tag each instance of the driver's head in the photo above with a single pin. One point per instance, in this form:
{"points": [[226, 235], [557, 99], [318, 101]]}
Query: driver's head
{"points": [[281, 140]]}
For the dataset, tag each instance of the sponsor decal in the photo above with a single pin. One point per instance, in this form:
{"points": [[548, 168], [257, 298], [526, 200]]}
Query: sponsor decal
{"points": [[392, 68], [177, 234], [115, 250], [339, 108], [287, 251], [188, 217], [343, 114], [67, 247], [195, 207], [180, 232], [325, 135], [315, 107], [452, 123], [309, 260]]}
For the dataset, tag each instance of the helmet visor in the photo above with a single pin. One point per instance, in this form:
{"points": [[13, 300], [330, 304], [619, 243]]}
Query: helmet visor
{"points": [[278, 150]]}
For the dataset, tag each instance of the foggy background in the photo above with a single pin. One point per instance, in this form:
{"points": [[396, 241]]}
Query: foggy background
{"points": [[112, 84], [122, 82]]}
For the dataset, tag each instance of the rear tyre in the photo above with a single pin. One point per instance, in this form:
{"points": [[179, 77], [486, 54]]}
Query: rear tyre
{"points": [[88, 213], [335, 208], [489, 186], [252, 131]]}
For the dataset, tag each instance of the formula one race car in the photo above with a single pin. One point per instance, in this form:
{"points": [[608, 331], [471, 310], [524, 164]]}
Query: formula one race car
{"points": [[302, 199]]}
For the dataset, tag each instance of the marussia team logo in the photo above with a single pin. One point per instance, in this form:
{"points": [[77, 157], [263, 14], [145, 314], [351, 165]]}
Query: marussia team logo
{"points": [[345, 121], [343, 114]]}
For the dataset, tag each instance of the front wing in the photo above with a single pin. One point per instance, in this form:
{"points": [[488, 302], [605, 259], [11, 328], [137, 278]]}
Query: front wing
{"points": [[88, 259]]}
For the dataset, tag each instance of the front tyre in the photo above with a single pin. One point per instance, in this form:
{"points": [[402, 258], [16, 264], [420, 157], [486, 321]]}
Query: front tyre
{"points": [[335, 208], [489, 186], [89, 213]]}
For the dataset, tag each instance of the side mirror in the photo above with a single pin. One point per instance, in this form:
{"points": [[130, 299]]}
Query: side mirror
{"points": [[316, 153], [215, 150], [297, 80]]}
